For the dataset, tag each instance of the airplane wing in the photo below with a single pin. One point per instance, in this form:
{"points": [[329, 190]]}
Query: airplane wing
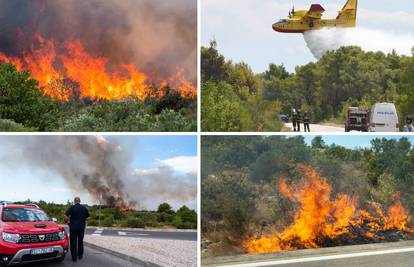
{"points": [[315, 12]]}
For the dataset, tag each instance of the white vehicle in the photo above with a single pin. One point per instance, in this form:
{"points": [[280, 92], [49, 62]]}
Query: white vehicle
{"points": [[384, 118]]}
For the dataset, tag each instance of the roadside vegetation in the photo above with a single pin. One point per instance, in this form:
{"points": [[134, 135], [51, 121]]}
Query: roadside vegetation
{"points": [[240, 178], [24, 108], [236, 99], [163, 217]]}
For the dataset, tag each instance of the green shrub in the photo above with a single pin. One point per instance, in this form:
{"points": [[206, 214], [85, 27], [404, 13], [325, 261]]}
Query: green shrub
{"points": [[93, 223], [11, 126], [186, 225], [108, 222], [135, 222], [170, 120]]}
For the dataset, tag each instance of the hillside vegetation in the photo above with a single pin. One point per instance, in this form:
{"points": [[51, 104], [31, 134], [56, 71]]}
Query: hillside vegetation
{"points": [[240, 177], [24, 108], [236, 99], [164, 216]]}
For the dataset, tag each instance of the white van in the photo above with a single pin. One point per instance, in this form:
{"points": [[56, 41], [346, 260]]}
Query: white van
{"points": [[384, 118]]}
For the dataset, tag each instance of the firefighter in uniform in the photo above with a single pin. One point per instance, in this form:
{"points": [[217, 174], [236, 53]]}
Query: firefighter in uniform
{"points": [[77, 215], [306, 121], [295, 118], [408, 127], [299, 120]]}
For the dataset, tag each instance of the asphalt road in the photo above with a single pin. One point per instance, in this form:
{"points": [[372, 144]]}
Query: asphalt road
{"points": [[92, 258], [318, 128], [390, 260], [400, 254], [173, 235]]}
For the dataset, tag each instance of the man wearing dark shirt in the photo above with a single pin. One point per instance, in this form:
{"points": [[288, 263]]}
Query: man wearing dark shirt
{"points": [[77, 222]]}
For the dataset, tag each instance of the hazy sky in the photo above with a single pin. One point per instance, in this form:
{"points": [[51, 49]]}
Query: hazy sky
{"points": [[353, 141], [242, 29], [149, 153]]}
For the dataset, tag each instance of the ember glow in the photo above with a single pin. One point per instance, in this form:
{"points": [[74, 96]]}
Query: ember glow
{"points": [[52, 64], [321, 220]]}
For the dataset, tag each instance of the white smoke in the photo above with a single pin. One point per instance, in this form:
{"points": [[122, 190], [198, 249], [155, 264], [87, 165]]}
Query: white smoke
{"points": [[321, 41], [163, 184]]}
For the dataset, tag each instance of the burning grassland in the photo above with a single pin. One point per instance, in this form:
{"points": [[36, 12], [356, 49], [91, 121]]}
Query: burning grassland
{"points": [[322, 220], [102, 51], [89, 75]]}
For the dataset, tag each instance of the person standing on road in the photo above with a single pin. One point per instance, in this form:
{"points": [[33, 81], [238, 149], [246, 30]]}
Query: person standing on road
{"points": [[299, 120], [306, 121], [295, 117], [77, 215], [408, 127]]}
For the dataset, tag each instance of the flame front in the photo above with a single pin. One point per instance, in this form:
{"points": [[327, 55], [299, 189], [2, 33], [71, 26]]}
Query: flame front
{"points": [[51, 65], [320, 219]]}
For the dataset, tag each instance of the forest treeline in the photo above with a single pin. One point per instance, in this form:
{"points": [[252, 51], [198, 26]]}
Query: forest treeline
{"points": [[164, 216], [236, 99], [240, 177], [24, 108]]}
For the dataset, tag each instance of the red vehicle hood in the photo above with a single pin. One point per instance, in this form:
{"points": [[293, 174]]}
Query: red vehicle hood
{"points": [[30, 227]]}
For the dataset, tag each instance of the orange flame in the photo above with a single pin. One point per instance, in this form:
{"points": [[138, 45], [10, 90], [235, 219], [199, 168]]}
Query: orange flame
{"points": [[397, 217], [51, 64], [319, 218]]}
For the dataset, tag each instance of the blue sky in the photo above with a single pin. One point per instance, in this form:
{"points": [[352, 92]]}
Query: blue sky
{"points": [[352, 141], [243, 31], [172, 158], [151, 150]]}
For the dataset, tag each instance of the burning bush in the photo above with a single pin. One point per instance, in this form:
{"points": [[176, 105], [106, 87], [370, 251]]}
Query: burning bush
{"points": [[21, 102], [322, 221], [88, 75], [263, 194], [102, 50], [84, 54]]}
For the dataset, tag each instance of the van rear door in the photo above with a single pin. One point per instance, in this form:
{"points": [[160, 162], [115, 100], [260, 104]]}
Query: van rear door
{"points": [[384, 118]]}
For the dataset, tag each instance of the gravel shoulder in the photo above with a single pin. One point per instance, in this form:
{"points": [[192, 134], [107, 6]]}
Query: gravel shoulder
{"points": [[158, 251]]}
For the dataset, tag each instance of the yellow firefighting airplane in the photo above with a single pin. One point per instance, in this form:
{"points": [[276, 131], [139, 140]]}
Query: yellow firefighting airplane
{"points": [[305, 20]]}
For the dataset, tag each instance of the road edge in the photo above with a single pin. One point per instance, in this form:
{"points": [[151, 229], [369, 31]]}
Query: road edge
{"points": [[121, 255], [168, 230], [257, 258]]}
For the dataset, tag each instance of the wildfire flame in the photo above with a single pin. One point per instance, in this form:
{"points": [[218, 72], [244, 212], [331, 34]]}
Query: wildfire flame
{"points": [[319, 218], [51, 64]]}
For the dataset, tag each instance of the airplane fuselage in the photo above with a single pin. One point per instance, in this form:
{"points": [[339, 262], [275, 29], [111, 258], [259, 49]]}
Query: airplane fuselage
{"points": [[301, 25], [301, 21]]}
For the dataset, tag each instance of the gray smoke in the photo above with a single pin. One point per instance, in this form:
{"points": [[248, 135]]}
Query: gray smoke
{"points": [[96, 166], [163, 183], [321, 41], [158, 36]]}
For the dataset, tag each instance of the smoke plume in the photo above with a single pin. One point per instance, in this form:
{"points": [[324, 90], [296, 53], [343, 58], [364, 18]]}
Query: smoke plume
{"points": [[157, 36], [162, 183], [321, 41], [98, 167]]}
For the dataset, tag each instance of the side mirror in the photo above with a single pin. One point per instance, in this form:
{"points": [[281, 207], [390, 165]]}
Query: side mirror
{"points": [[54, 220]]}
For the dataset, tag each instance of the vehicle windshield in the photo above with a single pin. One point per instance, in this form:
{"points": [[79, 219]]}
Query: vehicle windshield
{"points": [[24, 215], [281, 21]]}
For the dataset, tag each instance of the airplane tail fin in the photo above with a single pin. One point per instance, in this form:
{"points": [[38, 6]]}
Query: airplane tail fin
{"points": [[349, 11]]}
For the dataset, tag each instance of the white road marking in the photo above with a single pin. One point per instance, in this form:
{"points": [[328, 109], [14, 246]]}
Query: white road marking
{"points": [[98, 232], [122, 233], [322, 258]]}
